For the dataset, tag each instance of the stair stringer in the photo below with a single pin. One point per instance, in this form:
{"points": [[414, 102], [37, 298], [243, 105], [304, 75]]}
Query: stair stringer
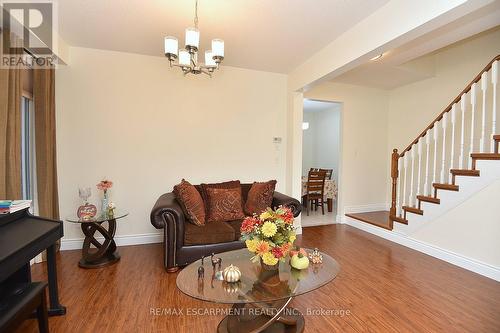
{"points": [[468, 186]]}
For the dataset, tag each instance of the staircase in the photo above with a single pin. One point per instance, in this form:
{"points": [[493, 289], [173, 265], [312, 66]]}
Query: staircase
{"points": [[450, 147], [461, 143]]}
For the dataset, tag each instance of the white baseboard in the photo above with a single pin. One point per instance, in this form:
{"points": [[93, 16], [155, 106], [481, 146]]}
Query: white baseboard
{"points": [[77, 243], [365, 208], [475, 266]]}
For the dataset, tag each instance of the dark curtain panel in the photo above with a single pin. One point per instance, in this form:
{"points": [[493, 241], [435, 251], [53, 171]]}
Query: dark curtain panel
{"points": [[10, 133], [45, 142]]}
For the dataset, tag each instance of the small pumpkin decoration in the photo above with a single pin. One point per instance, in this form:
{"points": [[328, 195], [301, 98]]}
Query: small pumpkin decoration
{"points": [[231, 274]]}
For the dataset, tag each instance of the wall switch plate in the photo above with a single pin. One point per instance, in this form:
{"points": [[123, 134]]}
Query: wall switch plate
{"points": [[276, 140]]}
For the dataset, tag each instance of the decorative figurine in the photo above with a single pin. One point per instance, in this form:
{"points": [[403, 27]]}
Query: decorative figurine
{"points": [[213, 260], [201, 272], [219, 263], [231, 274], [315, 256]]}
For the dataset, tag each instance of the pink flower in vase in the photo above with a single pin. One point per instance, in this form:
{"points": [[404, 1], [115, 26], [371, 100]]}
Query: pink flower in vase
{"points": [[104, 185]]}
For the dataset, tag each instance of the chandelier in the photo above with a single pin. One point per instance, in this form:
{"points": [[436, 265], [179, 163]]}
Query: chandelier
{"points": [[188, 57]]}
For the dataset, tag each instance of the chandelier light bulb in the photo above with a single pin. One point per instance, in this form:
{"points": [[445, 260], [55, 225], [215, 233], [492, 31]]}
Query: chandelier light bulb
{"points": [[184, 58], [218, 48], [209, 60], [171, 45], [192, 37]]}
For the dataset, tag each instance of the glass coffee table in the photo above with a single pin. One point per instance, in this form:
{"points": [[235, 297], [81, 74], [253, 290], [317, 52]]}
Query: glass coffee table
{"points": [[102, 254], [260, 299]]}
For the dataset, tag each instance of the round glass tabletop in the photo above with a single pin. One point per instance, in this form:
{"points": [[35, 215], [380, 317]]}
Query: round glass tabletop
{"points": [[256, 284], [99, 218]]}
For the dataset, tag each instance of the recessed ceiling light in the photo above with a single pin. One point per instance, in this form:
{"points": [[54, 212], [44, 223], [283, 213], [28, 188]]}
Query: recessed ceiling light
{"points": [[377, 57]]}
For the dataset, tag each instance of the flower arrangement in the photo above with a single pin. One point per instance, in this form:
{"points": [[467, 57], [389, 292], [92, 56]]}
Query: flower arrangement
{"points": [[104, 185], [269, 235]]}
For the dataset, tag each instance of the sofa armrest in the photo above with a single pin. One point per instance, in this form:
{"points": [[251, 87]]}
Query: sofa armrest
{"points": [[168, 214], [280, 199]]}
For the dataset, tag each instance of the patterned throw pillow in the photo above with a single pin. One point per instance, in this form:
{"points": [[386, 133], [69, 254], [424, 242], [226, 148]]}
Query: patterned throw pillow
{"points": [[260, 197], [191, 202], [224, 204]]}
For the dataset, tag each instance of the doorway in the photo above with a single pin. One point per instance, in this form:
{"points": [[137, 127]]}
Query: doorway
{"points": [[321, 149]]}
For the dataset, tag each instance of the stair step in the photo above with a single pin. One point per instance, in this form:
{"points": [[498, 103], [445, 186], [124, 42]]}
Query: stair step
{"points": [[463, 172], [429, 199], [483, 156], [413, 210], [496, 137], [448, 187], [399, 219]]}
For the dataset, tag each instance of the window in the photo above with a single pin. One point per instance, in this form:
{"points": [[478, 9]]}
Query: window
{"points": [[28, 171]]}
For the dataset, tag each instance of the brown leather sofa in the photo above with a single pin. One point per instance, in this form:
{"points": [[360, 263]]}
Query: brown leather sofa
{"points": [[184, 242]]}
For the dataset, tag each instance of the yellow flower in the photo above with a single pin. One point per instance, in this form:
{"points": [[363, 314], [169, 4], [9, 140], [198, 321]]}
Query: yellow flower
{"points": [[269, 229], [251, 244], [292, 237], [269, 259], [265, 215]]}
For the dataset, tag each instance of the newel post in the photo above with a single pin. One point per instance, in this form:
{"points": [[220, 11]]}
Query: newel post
{"points": [[394, 176]]}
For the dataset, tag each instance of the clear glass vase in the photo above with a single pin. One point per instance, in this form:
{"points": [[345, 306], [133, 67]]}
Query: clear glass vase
{"points": [[105, 202]]}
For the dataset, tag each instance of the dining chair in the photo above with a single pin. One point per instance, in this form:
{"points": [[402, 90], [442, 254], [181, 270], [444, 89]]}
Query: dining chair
{"points": [[329, 173], [315, 191]]}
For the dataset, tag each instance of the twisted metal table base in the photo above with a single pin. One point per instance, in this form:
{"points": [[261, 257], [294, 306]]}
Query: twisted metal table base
{"points": [[263, 317], [104, 253]]}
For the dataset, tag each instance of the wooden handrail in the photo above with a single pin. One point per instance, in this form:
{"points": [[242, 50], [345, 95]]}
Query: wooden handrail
{"points": [[448, 108]]}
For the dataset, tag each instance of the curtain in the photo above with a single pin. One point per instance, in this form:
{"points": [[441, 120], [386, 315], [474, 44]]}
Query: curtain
{"points": [[45, 142], [10, 131]]}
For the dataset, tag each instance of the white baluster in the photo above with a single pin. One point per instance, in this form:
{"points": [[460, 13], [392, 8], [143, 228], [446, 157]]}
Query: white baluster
{"points": [[443, 155], [494, 81], [399, 185], [410, 200], [419, 166], [434, 175], [473, 103], [462, 130], [484, 86], [427, 142], [452, 157], [405, 162]]}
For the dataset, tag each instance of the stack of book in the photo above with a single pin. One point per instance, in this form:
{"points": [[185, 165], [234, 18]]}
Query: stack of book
{"points": [[11, 206]]}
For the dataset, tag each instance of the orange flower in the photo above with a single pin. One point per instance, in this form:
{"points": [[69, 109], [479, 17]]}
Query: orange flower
{"points": [[262, 247], [285, 248]]}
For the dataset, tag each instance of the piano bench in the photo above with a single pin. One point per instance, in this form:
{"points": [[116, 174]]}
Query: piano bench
{"points": [[19, 301]]}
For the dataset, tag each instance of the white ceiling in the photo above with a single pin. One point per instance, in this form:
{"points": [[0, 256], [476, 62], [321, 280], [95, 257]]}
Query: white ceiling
{"points": [[311, 105], [269, 35], [410, 63]]}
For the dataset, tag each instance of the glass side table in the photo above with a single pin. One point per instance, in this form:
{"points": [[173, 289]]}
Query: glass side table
{"points": [[102, 254]]}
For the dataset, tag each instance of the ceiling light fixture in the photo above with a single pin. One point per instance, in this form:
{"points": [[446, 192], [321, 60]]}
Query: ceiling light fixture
{"points": [[188, 57], [377, 57]]}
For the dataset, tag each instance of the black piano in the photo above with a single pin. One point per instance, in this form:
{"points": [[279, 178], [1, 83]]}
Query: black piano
{"points": [[22, 237]]}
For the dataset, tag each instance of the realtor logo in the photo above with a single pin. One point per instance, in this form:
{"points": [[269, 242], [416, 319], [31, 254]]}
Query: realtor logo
{"points": [[27, 26]]}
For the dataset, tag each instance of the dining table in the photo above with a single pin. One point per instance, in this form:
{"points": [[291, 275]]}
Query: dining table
{"points": [[330, 191]]}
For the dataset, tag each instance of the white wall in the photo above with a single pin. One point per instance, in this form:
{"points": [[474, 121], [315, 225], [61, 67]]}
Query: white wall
{"points": [[364, 164], [414, 106], [321, 142], [134, 120]]}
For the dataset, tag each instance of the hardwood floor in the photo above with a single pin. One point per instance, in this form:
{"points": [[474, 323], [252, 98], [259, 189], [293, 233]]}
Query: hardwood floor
{"points": [[384, 286], [378, 218]]}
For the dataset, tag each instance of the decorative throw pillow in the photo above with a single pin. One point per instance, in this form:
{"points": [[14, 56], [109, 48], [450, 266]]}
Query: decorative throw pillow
{"points": [[224, 204], [191, 202], [223, 185], [260, 197]]}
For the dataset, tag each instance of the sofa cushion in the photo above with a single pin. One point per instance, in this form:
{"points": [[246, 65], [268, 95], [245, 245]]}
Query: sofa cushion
{"points": [[224, 204], [260, 197], [191, 202], [212, 233], [236, 225]]}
